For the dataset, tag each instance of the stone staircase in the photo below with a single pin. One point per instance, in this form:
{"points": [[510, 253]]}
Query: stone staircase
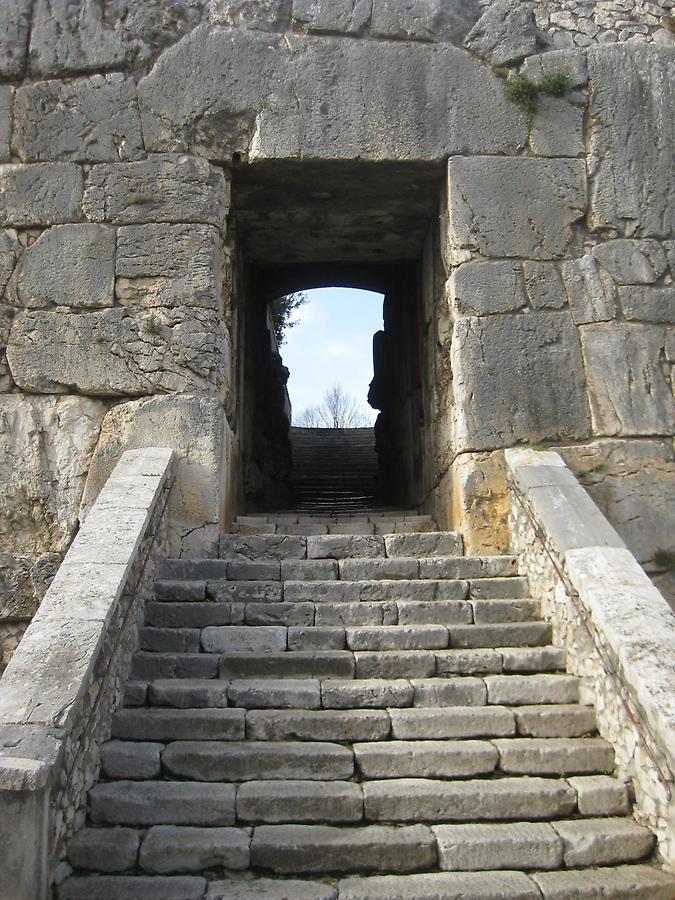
{"points": [[323, 713]]}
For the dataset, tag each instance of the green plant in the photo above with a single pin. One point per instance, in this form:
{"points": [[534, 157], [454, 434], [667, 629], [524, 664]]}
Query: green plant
{"points": [[523, 92], [152, 325], [665, 559], [501, 72], [556, 83]]}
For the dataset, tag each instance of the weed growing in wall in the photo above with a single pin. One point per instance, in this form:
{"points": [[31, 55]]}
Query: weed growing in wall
{"points": [[525, 92]]}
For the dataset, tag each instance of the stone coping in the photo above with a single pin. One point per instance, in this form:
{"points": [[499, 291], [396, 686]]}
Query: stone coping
{"points": [[50, 677], [634, 620]]}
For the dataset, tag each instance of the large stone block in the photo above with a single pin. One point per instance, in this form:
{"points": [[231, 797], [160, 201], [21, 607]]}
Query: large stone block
{"points": [[632, 262], [517, 378], [263, 15], [196, 428], [544, 285], [278, 104], [424, 20], [482, 288], [558, 128], [514, 207], [505, 33], [73, 37], [23, 582], [14, 25], [45, 447], [628, 391], [480, 502], [6, 317], [330, 16], [170, 265], [6, 98], [68, 265], [164, 188], [42, 194], [632, 188], [648, 304], [10, 251], [88, 120], [633, 483], [591, 292], [112, 352]]}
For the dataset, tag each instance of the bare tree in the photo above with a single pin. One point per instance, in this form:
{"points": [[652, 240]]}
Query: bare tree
{"points": [[336, 410]]}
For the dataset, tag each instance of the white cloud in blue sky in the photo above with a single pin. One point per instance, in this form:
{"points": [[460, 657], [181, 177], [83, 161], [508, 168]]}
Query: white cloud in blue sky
{"points": [[332, 343]]}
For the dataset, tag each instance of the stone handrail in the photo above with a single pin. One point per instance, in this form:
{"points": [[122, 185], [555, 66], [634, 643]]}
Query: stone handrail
{"points": [[65, 680], [617, 629]]}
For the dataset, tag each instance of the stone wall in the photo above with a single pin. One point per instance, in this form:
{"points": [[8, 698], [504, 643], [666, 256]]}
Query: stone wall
{"points": [[616, 628], [66, 679]]}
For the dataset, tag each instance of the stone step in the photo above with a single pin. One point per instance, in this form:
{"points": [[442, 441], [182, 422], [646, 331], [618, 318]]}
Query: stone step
{"points": [[141, 803], [132, 887], [339, 546], [299, 801], [441, 886], [622, 882], [352, 569], [157, 724]]}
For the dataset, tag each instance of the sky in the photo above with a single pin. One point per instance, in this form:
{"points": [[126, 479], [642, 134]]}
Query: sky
{"points": [[331, 343]]}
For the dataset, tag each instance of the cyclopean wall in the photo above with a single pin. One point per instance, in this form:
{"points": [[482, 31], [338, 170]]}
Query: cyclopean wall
{"points": [[118, 128]]}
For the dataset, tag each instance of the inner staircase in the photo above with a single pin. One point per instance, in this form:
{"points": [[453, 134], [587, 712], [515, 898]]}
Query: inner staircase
{"points": [[350, 708]]}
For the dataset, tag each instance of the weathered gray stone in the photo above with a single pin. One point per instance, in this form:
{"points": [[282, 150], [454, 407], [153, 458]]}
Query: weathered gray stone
{"points": [[505, 33], [367, 569], [179, 724], [330, 802], [544, 285], [591, 292], [262, 639], [571, 62], [73, 38], [628, 391], [397, 637], [316, 848], [628, 190], [483, 288], [432, 543], [431, 613], [122, 887], [41, 194], [335, 546], [648, 304], [10, 252], [321, 725], [517, 379], [162, 802], [68, 265], [533, 659], [424, 20], [183, 110], [448, 723], [269, 888], [45, 447], [555, 721], [299, 664], [464, 691], [632, 262], [188, 693], [426, 800], [6, 100], [558, 128], [262, 546], [490, 612], [265, 15], [425, 759], [167, 848], [307, 569], [604, 842], [525, 690], [131, 759], [278, 693], [113, 353], [366, 694], [295, 615], [330, 16], [15, 18], [600, 795], [170, 265], [92, 119], [518, 845], [317, 638], [164, 188], [639, 882], [214, 761], [104, 849], [449, 886], [514, 207], [555, 756], [479, 661]]}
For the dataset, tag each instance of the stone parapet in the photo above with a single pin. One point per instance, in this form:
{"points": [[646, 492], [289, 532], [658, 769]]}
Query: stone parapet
{"points": [[615, 626], [65, 680]]}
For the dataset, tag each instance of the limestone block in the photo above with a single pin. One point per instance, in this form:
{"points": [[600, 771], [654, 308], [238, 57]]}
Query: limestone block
{"points": [[6, 317], [14, 26], [630, 185], [6, 98], [114, 353], [480, 501], [23, 582], [342, 16], [482, 288], [633, 483], [526, 845], [544, 285], [196, 428], [164, 188], [73, 37], [571, 62], [167, 849], [558, 128], [648, 304], [170, 265], [517, 378], [632, 262], [45, 447], [505, 33], [263, 15], [88, 120], [424, 20], [628, 391], [290, 105], [514, 207], [10, 251], [42, 194], [68, 265], [591, 292]]}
